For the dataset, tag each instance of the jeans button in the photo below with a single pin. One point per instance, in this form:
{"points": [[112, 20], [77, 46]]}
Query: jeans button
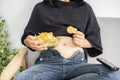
{"points": [[41, 59], [82, 59]]}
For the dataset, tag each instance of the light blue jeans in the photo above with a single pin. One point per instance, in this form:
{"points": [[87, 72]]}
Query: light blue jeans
{"points": [[52, 66]]}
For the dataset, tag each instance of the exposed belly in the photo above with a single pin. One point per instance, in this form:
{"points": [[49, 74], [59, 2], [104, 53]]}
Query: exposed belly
{"points": [[66, 47]]}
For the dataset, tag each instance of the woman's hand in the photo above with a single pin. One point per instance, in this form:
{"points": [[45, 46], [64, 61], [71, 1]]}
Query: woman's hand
{"points": [[80, 41], [31, 43]]}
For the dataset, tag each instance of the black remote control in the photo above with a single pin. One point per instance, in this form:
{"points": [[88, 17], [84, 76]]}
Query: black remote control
{"points": [[108, 64]]}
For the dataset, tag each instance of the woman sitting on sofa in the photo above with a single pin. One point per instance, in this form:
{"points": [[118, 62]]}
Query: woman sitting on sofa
{"points": [[67, 60]]}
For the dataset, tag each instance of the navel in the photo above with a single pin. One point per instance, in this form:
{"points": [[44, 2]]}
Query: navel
{"points": [[64, 44]]}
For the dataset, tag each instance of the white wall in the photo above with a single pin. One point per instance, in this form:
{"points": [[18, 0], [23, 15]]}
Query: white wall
{"points": [[105, 8], [17, 13]]}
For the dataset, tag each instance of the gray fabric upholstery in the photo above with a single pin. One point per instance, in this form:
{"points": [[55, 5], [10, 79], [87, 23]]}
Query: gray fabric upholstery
{"points": [[31, 57]]}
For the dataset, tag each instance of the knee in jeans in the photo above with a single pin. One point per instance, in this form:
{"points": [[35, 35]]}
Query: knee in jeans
{"points": [[115, 75], [22, 76]]}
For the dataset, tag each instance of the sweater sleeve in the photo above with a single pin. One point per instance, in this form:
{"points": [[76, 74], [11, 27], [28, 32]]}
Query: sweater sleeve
{"points": [[33, 26], [92, 34]]}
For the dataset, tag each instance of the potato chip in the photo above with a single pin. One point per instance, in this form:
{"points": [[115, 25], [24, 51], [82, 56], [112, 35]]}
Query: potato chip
{"points": [[71, 29]]}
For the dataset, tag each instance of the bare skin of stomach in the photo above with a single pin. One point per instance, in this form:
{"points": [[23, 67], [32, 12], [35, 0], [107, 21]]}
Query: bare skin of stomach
{"points": [[66, 47]]}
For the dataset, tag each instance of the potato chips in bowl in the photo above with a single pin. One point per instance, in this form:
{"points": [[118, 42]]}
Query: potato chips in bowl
{"points": [[47, 38]]}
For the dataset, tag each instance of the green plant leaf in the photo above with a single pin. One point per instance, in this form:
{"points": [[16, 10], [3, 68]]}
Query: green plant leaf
{"points": [[6, 53]]}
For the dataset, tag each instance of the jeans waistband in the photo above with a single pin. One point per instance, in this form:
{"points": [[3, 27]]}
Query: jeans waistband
{"points": [[54, 55]]}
